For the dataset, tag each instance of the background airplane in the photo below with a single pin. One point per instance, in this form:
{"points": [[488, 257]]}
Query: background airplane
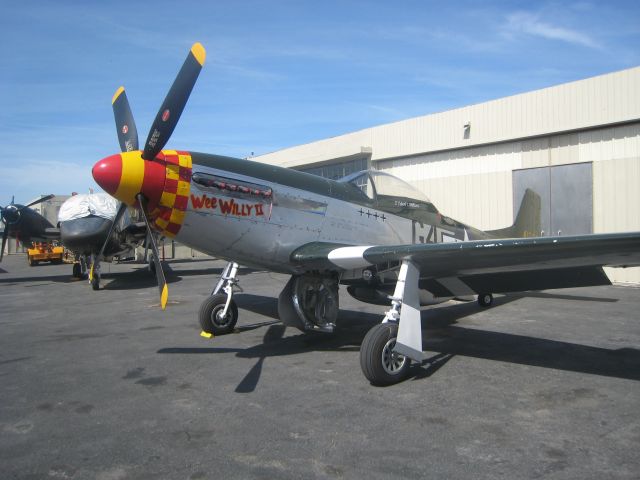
{"points": [[24, 224], [370, 231], [86, 222]]}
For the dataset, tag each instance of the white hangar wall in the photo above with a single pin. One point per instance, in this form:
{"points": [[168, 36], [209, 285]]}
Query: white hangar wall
{"points": [[476, 186], [466, 160]]}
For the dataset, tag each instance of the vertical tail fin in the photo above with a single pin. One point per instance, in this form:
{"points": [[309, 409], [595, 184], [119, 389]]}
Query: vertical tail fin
{"points": [[528, 223]]}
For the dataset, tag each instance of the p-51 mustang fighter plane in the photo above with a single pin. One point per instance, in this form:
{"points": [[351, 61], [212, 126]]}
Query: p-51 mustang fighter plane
{"points": [[365, 231]]}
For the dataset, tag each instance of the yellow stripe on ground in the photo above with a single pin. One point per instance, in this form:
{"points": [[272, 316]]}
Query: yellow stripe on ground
{"points": [[131, 178]]}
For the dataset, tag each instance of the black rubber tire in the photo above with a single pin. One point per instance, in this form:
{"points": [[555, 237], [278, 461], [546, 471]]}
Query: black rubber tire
{"points": [[95, 283], [371, 356], [77, 270], [32, 262], [209, 321], [485, 300]]}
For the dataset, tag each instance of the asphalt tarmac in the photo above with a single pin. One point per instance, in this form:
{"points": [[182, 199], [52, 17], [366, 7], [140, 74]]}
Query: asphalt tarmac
{"points": [[104, 385]]}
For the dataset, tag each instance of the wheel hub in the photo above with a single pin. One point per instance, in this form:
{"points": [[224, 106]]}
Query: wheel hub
{"points": [[392, 362], [218, 318]]}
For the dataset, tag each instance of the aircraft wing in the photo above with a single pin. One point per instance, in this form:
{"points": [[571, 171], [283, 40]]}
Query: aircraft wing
{"points": [[489, 266]]}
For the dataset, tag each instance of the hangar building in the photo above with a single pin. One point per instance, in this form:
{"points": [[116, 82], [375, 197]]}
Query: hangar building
{"points": [[576, 144]]}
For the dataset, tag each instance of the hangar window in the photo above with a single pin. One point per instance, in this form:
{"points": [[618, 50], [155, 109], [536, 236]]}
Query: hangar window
{"points": [[361, 181]]}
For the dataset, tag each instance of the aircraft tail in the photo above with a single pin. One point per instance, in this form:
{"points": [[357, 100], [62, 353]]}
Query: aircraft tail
{"points": [[528, 223]]}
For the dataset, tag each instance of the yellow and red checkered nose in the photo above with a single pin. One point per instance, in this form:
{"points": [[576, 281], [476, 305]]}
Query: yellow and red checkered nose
{"points": [[164, 181]]}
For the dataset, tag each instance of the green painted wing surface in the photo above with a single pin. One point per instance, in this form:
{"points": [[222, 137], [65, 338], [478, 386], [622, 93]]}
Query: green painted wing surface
{"points": [[492, 265]]}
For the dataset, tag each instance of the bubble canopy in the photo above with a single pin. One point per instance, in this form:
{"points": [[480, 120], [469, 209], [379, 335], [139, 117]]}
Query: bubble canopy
{"points": [[374, 184]]}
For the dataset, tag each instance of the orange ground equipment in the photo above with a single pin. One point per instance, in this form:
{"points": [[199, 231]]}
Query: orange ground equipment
{"points": [[44, 252]]}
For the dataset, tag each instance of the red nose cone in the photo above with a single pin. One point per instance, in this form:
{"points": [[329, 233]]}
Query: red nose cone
{"points": [[107, 173]]}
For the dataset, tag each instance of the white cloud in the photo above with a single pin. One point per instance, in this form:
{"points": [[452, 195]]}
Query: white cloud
{"points": [[529, 23]]}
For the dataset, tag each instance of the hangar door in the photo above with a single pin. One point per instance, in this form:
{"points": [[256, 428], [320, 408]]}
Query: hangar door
{"points": [[566, 193]]}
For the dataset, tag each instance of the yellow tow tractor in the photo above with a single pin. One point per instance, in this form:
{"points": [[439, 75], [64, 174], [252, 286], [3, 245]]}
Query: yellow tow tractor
{"points": [[44, 252]]}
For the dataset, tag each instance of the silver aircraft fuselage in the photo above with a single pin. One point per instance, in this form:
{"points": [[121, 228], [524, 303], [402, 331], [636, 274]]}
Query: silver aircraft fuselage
{"points": [[264, 229]]}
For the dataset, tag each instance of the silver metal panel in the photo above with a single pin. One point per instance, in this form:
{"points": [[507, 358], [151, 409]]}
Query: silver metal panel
{"points": [[566, 193], [571, 199]]}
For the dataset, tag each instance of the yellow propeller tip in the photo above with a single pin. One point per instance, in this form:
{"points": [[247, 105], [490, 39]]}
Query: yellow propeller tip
{"points": [[117, 94], [199, 52], [91, 273], [206, 334], [164, 296]]}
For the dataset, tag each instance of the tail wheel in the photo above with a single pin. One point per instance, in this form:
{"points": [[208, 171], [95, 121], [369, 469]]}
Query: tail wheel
{"points": [[211, 318], [379, 363], [485, 299]]}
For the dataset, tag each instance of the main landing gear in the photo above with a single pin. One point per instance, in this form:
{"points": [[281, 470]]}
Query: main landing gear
{"points": [[95, 272], [379, 363], [219, 313], [388, 348], [80, 267]]}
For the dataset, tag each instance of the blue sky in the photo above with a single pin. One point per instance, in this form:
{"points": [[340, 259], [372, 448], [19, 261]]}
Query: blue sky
{"points": [[278, 73]]}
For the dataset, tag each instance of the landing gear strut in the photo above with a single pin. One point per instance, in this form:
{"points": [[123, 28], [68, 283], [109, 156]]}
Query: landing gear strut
{"points": [[388, 348], [95, 273], [219, 313], [80, 267]]}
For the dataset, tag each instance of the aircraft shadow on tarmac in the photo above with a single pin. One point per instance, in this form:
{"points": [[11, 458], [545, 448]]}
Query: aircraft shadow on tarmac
{"points": [[440, 334], [63, 278], [142, 277], [137, 278]]}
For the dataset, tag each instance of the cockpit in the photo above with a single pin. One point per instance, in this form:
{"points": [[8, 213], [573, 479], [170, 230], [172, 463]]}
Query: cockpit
{"points": [[388, 192]]}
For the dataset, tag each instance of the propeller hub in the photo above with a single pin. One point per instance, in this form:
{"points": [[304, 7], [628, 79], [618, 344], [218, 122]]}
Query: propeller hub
{"points": [[126, 174], [11, 214]]}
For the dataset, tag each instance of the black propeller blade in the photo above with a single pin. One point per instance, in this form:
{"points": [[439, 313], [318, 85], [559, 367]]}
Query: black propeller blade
{"points": [[171, 109], [146, 245], [125, 124], [161, 129], [162, 282], [5, 235], [96, 261]]}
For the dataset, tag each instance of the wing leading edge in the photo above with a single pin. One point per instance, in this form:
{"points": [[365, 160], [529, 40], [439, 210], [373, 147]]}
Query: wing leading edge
{"points": [[508, 265]]}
